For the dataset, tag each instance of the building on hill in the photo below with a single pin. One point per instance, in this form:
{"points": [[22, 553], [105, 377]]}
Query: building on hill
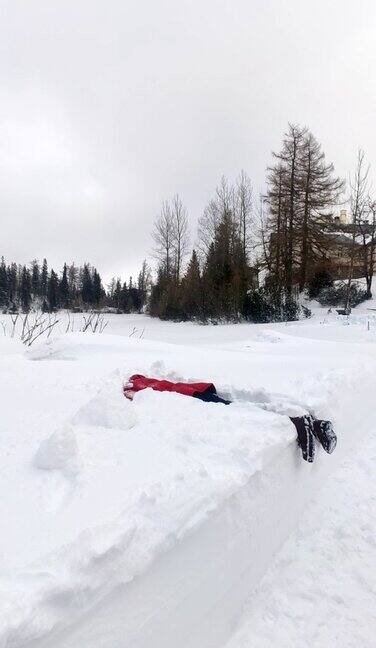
{"points": [[340, 239], [331, 247]]}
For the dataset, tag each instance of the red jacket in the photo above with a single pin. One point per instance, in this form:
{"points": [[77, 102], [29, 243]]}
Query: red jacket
{"points": [[188, 389]]}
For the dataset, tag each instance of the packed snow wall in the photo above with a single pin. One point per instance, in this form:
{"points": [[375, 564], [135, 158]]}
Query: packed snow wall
{"points": [[192, 593]]}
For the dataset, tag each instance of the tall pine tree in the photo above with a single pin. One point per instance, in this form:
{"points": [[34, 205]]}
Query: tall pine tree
{"points": [[53, 291], [3, 284], [35, 279], [44, 279], [87, 285], [64, 294], [25, 289]]}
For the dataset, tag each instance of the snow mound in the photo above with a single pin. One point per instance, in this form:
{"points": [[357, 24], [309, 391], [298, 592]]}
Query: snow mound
{"points": [[59, 452], [108, 409]]}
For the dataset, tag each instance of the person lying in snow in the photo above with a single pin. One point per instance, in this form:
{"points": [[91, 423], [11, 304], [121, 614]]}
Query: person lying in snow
{"points": [[307, 427]]}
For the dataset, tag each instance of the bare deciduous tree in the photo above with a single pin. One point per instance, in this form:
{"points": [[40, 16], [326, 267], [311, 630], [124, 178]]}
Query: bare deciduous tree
{"points": [[301, 191], [163, 236], [359, 200], [180, 234], [320, 191], [171, 238], [207, 225], [244, 207], [144, 279]]}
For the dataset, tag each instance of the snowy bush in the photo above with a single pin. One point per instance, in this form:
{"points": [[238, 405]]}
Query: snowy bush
{"points": [[263, 306], [337, 295], [320, 280]]}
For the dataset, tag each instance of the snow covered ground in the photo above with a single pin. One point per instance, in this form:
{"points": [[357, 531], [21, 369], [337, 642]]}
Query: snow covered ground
{"points": [[98, 494], [321, 588]]}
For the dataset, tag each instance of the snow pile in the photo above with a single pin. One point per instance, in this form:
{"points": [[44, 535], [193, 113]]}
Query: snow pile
{"points": [[210, 456], [59, 452], [152, 520], [108, 408]]}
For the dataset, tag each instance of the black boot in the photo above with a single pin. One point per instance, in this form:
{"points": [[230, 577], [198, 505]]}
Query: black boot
{"points": [[324, 433], [306, 440]]}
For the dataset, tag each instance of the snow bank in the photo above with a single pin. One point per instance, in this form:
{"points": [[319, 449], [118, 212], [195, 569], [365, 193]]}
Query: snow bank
{"points": [[216, 555], [209, 457], [175, 506]]}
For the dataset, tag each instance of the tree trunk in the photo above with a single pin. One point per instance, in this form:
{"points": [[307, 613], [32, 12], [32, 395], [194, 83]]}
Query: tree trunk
{"points": [[304, 252]]}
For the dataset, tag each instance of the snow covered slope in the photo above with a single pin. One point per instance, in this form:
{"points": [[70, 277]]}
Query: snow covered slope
{"points": [[148, 523]]}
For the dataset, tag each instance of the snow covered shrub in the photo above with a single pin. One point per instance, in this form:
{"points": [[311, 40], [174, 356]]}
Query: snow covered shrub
{"points": [[337, 295], [263, 306], [320, 280], [290, 309], [257, 307]]}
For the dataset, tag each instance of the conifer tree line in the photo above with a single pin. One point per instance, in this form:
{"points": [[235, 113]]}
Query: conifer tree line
{"points": [[23, 288]]}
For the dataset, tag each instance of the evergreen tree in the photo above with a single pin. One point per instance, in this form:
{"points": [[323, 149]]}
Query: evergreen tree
{"points": [[25, 289], [64, 293], [124, 298], [110, 292], [44, 279], [3, 284], [12, 274], [73, 282], [53, 291], [130, 293], [192, 298], [117, 297], [97, 287], [226, 272], [144, 283], [320, 280], [87, 285], [134, 299], [163, 298], [35, 278]]}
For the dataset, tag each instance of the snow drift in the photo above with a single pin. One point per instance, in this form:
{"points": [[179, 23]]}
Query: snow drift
{"points": [[149, 523]]}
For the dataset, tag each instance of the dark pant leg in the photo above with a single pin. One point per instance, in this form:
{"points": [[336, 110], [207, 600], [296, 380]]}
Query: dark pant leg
{"points": [[306, 440], [210, 396]]}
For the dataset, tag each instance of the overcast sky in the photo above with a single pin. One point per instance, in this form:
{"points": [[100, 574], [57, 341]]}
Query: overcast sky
{"points": [[109, 107]]}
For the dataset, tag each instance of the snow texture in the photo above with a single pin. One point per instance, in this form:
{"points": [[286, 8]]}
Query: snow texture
{"points": [[322, 584], [58, 452], [151, 522]]}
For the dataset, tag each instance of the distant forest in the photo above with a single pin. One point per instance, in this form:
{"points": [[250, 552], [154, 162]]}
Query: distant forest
{"points": [[253, 257], [76, 288]]}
